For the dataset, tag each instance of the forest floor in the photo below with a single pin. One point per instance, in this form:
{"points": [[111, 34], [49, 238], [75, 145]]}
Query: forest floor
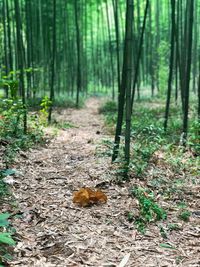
{"points": [[53, 231]]}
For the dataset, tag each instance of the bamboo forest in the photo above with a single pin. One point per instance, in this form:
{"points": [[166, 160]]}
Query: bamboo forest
{"points": [[100, 133]]}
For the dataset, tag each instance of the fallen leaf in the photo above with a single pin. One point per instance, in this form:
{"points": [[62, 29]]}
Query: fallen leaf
{"points": [[167, 246], [86, 196], [124, 260]]}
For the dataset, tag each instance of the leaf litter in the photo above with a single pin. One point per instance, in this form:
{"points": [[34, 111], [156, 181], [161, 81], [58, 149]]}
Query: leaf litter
{"points": [[54, 231]]}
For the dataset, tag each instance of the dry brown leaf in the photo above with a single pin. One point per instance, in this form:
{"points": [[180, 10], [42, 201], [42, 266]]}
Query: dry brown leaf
{"points": [[101, 197], [86, 196], [82, 197]]}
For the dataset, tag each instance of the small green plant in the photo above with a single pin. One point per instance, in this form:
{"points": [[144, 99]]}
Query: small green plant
{"points": [[163, 232], [105, 148], [43, 114], [182, 205], [12, 131], [184, 215], [108, 107], [64, 101], [3, 189], [149, 210], [173, 227], [6, 239], [145, 145], [194, 137]]}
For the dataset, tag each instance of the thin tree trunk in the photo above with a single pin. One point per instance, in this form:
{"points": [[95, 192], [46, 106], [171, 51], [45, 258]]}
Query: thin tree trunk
{"points": [[199, 93], [117, 33], [173, 7], [76, 8], [20, 60], [124, 83], [53, 62], [110, 51], [9, 37], [139, 54], [5, 44], [129, 41], [188, 70]]}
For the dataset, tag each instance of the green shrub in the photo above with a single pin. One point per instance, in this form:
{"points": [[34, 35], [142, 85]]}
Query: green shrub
{"points": [[12, 131], [108, 107], [184, 215], [149, 210], [6, 239], [194, 137]]}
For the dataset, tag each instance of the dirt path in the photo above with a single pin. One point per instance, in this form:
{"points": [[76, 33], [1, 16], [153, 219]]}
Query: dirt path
{"points": [[53, 231]]}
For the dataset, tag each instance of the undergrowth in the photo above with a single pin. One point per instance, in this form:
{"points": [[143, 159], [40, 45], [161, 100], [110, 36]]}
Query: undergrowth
{"points": [[149, 138], [12, 135], [149, 210], [60, 101], [158, 160], [6, 240]]}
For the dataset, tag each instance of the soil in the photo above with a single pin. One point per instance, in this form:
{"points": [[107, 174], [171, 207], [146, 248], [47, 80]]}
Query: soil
{"points": [[53, 231]]}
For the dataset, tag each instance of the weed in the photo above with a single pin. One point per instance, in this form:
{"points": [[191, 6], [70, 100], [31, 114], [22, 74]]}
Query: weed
{"points": [[6, 239], [11, 129], [65, 101], [152, 148], [3, 189], [43, 114], [194, 137], [105, 148], [163, 232], [147, 142], [173, 227], [149, 209], [181, 205], [108, 107], [184, 215]]}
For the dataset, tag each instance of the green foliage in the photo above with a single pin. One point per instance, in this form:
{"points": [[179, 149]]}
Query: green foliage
{"points": [[45, 104], [64, 101], [60, 101], [163, 233], [4, 219], [173, 227], [3, 189], [105, 148], [12, 130], [194, 137], [43, 115], [149, 209], [11, 117], [166, 245], [10, 85], [147, 141], [108, 107], [4, 173], [6, 239], [184, 215], [182, 205], [148, 137]]}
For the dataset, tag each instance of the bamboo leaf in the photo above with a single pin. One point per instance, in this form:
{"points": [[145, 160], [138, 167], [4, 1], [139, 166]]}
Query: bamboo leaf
{"points": [[166, 245], [3, 219], [6, 239]]}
